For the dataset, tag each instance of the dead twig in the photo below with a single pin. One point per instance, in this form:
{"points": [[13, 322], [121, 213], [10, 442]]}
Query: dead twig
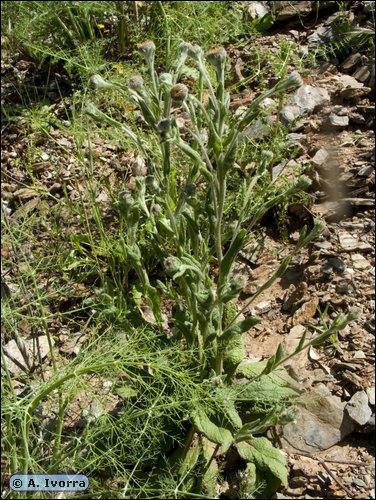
{"points": [[323, 461]]}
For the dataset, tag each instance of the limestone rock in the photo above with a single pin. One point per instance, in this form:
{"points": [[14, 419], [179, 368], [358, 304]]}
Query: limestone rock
{"points": [[358, 408], [310, 99]]}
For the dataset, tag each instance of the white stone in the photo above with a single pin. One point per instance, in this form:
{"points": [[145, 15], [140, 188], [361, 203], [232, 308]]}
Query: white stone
{"points": [[263, 307], [348, 81], [371, 395], [359, 262], [320, 157]]}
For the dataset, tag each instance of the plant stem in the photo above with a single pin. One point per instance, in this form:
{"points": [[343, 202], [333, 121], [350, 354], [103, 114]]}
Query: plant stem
{"points": [[167, 36]]}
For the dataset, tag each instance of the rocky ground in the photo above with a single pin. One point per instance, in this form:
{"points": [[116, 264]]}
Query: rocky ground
{"points": [[330, 449]]}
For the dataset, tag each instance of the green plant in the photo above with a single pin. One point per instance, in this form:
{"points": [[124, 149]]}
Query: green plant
{"points": [[182, 211], [349, 36]]}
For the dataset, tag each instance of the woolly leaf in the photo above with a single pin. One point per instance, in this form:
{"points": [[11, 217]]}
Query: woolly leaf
{"points": [[240, 327], [214, 433], [190, 460], [232, 252], [261, 452], [227, 396], [154, 301], [210, 477], [233, 354], [267, 390]]}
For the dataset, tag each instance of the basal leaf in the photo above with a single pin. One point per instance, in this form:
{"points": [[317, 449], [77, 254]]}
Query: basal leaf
{"points": [[261, 452], [267, 389], [214, 433], [210, 478], [227, 397]]}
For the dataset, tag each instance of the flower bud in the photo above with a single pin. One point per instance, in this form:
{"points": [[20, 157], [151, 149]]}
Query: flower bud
{"points": [[182, 55], [164, 126], [195, 51], [147, 49], [97, 82], [217, 58], [292, 82], [190, 190], [151, 183], [183, 49], [165, 79], [172, 264], [125, 198], [179, 93], [156, 208], [135, 82]]}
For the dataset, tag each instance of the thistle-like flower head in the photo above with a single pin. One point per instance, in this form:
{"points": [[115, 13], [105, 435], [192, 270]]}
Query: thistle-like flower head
{"points": [[135, 82], [179, 93]]}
